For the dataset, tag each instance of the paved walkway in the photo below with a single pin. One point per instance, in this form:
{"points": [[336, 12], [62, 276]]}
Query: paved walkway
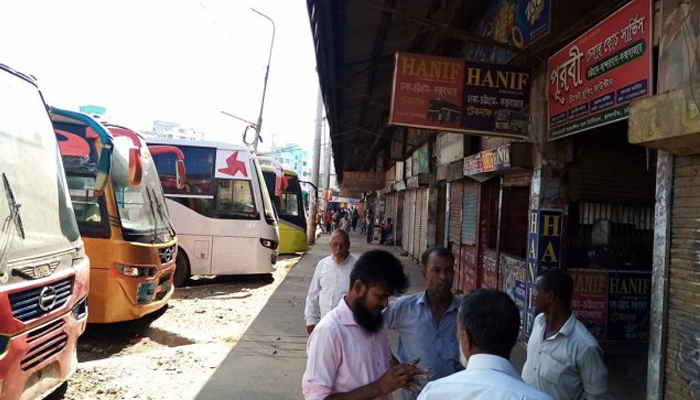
{"points": [[269, 360]]}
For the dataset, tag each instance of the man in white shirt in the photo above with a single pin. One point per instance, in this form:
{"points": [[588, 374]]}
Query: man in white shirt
{"points": [[331, 280], [487, 329], [563, 358]]}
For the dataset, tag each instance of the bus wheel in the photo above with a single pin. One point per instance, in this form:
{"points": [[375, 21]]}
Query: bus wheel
{"points": [[182, 269]]}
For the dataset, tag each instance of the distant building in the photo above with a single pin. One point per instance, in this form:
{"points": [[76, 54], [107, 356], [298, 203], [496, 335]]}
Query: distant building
{"points": [[294, 158], [173, 130]]}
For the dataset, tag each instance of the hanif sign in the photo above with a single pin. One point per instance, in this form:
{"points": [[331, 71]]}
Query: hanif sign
{"points": [[593, 79], [447, 94], [543, 252]]}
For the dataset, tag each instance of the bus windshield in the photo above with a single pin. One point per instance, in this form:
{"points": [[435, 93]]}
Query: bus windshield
{"points": [[34, 205], [142, 210]]}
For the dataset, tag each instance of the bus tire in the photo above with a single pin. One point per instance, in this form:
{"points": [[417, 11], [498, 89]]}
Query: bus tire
{"points": [[182, 269]]}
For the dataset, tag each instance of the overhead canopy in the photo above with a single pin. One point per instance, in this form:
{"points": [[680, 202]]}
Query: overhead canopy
{"points": [[356, 42]]}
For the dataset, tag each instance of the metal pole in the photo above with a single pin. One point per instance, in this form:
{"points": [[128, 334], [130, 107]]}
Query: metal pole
{"points": [[258, 126], [315, 166]]}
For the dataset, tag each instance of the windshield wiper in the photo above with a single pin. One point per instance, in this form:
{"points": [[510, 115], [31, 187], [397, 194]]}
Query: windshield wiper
{"points": [[155, 217], [159, 206], [14, 208]]}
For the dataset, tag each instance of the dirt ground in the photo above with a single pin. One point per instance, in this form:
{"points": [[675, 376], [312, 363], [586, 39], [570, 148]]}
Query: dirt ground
{"points": [[172, 353]]}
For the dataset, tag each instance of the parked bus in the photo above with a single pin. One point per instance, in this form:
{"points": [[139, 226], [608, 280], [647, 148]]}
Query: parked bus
{"points": [[285, 191], [126, 227], [224, 217], [44, 272]]}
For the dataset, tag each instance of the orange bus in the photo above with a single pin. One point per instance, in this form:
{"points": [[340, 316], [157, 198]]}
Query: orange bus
{"points": [[44, 273], [126, 227]]}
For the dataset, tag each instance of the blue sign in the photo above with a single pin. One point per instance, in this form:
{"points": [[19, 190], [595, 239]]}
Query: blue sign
{"points": [[543, 252]]}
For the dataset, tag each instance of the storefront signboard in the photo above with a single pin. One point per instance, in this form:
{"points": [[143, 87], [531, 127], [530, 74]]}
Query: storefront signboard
{"points": [[516, 22], [363, 181], [590, 301], [592, 80], [449, 95], [543, 252], [629, 298], [497, 159]]}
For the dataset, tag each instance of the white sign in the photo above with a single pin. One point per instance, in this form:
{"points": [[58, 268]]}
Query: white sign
{"points": [[450, 147]]}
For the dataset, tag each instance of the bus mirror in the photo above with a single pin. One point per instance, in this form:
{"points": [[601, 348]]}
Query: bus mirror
{"points": [[180, 174], [103, 169], [135, 167]]}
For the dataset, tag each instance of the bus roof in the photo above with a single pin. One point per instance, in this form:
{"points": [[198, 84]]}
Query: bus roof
{"points": [[267, 168], [197, 143]]}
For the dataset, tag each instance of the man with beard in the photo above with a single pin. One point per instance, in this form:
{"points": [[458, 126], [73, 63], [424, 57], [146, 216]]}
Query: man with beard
{"points": [[427, 321], [563, 358], [348, 353], [489, 323], [330, 281]]}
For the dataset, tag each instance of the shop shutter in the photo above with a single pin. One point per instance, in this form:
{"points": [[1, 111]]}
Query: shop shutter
{"points": [[441, 215], [416, 223], [684, 287], [469, 209], [423, 236], [456, 199], [410, 209]]}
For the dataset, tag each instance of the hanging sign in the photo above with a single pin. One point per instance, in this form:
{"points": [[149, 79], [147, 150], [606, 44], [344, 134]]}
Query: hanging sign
{"points": [[450, 95], [593, 79]]}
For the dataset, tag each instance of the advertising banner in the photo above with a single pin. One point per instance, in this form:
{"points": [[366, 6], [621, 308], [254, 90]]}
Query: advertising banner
{"points": [[496, 159], [543, 252], [629, 298], [593, 79], [515, 22], [450, 95], [590, 301]]}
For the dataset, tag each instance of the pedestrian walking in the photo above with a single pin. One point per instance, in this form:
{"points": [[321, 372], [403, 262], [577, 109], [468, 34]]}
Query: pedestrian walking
{"points": [[330, 281], [345, 223], [369, 228], [348, 351], [355, 218], [563, 358], [427, 321], [329, 221], [488, 327]]}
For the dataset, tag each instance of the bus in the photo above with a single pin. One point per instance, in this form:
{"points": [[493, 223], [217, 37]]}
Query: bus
{"points": [[44, 272], [285, 190], [126, 227], [224, 217]]}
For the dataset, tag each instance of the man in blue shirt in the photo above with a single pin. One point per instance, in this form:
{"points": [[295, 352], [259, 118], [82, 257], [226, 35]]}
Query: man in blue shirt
{"points": [[427, 321]]}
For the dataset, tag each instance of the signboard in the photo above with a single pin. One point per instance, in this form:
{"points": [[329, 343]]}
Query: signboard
{"points": [[450, 95], [450, 147], [421, 161], [363, 181], [515, 22], [593, 79], [497, 159], [543, 252], [629, 298], [349, 193], [494, 99], [590, 300], [521, 300]]}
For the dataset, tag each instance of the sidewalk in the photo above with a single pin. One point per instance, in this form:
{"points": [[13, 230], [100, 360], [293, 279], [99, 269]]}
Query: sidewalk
{"points": [[269, 360]]}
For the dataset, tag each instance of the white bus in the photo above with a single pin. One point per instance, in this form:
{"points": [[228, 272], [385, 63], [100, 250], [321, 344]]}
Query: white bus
{"points": [[224, 218]]}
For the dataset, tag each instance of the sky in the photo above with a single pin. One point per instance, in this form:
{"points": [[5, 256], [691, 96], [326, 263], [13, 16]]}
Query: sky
{"points": [[175, 60]]}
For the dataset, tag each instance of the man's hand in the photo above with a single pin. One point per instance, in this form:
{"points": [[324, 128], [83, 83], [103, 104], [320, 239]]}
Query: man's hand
{"points": [[401, 376], [310, 328]]}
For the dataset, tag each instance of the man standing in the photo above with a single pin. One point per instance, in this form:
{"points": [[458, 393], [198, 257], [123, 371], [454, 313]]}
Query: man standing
{"points": [[427, 321], [329, 221], [563, 358], [348, 352], [330, 281], [489, 323]]}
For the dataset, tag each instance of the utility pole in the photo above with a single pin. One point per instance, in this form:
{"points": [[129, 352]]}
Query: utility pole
{"points": [[258, 126], [315, 165]]}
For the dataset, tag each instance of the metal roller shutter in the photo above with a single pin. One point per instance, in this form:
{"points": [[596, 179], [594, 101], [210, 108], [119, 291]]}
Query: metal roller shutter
{"points": [[423, 233], [441, 215], [410, 209], [682, 369], [416, 223], [456, 198]]}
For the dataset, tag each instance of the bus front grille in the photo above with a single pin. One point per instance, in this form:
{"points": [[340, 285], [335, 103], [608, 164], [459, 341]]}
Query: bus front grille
{"points": [[45, 330], [44, 351], [40, 300], [166, 254]]}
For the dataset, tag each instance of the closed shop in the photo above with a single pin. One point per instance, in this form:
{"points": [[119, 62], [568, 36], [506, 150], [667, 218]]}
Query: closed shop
{"points": [[410, 211], [682, 360], [454, 234], [470, 206], [441, 214]]}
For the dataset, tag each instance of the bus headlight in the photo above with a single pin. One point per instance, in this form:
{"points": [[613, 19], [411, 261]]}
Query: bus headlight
{"points": [[270, 244], [136, 270]]}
